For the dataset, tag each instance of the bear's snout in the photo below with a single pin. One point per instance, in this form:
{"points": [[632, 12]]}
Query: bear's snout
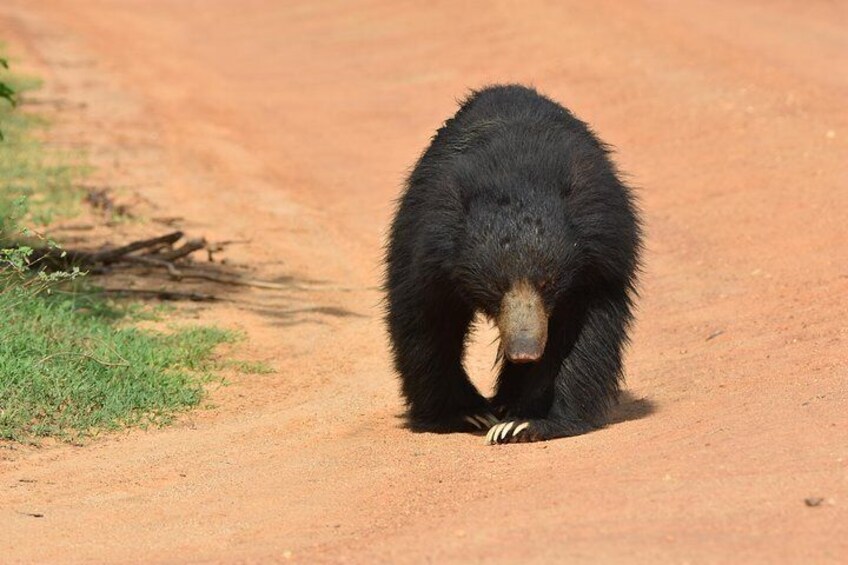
{"points": [[523, 324]]}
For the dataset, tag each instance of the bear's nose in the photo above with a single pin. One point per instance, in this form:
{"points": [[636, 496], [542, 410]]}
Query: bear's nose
{"points": [[524, 348]]}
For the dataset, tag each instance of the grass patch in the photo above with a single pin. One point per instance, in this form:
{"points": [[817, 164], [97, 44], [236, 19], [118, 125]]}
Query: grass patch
{"points": [[69, 369], [72, 363]]}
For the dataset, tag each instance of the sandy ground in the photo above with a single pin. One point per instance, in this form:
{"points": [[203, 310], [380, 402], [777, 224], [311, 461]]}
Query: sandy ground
{"points": [[292, 126]]}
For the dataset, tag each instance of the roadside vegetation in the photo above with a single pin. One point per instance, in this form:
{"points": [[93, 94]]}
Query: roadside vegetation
{"points": [[74, 363]]}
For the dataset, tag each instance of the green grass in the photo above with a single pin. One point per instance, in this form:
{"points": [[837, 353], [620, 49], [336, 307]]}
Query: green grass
{"points": [[68, 368], [72, 363]]}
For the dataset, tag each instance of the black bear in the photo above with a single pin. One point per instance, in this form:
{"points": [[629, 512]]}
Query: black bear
{"points": [[516, 211]]}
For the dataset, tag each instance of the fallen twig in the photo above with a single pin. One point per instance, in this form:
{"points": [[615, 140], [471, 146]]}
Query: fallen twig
{"points": [[714, 335], [159, 252], [187, 248], [110, 255]]}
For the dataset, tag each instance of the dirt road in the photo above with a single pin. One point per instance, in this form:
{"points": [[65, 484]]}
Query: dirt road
{"points": [[292, 126]]}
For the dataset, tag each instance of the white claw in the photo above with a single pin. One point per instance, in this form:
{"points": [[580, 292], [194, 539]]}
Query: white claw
{"points": [[490, 435], [518, 429], [506, 428], [493, 419], [472, 421], [484, 423]]}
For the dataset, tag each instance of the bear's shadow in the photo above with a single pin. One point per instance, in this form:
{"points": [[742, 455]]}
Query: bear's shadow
{"points": [[629, 408]]}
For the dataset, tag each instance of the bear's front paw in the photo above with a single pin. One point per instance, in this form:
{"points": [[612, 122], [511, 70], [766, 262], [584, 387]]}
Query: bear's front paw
{"points": [[514, 431]]}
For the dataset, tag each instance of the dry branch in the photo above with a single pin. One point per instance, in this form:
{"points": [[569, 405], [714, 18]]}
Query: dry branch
{"points": [[111, 255], [184, 250], [157, 252]]}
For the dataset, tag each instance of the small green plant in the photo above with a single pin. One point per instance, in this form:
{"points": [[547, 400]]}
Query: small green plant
{"points": [[19, 270]]}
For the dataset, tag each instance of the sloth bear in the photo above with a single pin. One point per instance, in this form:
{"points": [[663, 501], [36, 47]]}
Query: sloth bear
{"points": [[516, 211]]}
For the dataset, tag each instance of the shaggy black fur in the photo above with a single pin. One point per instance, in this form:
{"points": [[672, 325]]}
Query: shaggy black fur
{"points": [[513, 187]]}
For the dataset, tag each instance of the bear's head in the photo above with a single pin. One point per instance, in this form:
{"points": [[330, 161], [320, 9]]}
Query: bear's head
{"points": [[515, 260]]}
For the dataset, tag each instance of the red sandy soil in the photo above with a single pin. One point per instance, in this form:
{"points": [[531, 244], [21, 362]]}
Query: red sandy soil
{"points": [[292, 126]]}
